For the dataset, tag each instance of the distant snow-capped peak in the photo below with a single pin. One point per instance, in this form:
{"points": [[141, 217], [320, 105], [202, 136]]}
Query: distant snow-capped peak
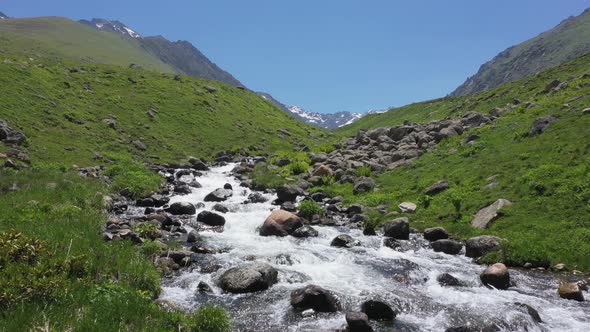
{"points": [[3, 16], [116, 26], [326, 120]]}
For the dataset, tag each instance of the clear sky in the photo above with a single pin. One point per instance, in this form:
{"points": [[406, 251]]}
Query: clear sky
{"points": [[333, 55]]}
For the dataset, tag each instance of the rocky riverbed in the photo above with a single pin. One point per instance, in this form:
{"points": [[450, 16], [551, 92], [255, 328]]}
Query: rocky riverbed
{"points": [[280, 272]]}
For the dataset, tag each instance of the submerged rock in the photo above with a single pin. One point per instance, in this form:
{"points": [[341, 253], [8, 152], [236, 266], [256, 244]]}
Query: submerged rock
{"points": [[314, 297], [378, 310], [446, 279], [358, 322], [249, 278]]}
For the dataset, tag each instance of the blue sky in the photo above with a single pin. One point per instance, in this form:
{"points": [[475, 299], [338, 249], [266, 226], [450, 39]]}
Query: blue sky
{"points": [[329, 56]]}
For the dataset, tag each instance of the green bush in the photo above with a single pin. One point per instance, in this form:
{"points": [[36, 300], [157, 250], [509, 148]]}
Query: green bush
{"points": [[210, 319], [309, 208], [298, 167], [363, 171]]}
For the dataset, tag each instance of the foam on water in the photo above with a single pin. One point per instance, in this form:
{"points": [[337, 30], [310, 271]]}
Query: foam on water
{"points": [[404, 279]]}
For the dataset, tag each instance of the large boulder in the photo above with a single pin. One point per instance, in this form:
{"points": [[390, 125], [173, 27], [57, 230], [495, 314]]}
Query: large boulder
{"points": [[218, 195], [344, 241], [280, 223], [363, 185], [248, 278], [378, 310], [398, 229], [450, 247], [289, 193], [481, 245], [314, 297], [180, 208], [496, 276], [570, 291], [358, 322], [437, 187], [211, 219], [435, 233], [487, 215]]}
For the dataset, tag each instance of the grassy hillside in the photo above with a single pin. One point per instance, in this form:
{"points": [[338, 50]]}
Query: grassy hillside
{"points": [[568, 40], [71, 112], [546, 176], [61, 38]]}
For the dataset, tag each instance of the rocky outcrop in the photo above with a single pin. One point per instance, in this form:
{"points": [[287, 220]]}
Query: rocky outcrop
{"points": [[280, 223], [496, 276], [248, 278], [489, 214], [314, 297], [481, 245]]}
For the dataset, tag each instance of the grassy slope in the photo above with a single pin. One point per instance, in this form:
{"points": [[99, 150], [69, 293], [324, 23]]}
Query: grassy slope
{"points": [[553, 225], [61, 38], [47, 103]]}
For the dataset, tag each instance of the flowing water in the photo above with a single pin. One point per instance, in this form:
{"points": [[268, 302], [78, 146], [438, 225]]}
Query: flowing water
{"points": [[405, 279]]}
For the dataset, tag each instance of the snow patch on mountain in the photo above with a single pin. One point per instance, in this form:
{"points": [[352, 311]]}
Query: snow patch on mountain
{"points": [[325, 120], [3, 16], [112, 26]]}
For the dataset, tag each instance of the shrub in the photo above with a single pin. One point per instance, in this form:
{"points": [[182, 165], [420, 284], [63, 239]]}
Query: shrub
{"points": [[147, 230], [363, 171], [309, 208], [210, 319], [298, 167]]}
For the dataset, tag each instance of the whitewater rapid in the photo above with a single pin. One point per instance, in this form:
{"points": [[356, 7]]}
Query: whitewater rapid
{"points": [[404, 279]]}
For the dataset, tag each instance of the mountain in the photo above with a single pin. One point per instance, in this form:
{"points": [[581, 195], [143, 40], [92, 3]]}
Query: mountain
{"points": [[3, 16], [111, 26], [181, 55], [569, 40], [323, 120]]}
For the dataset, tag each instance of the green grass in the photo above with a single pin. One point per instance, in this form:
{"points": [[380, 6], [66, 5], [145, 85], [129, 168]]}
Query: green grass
{"points": [[547, 177], [59, 38], [63, 114], [56, 272], [308, 209]]}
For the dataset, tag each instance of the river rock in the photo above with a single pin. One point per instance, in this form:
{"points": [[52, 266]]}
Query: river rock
{"points": [[570, 291], [344, 241], [289, 193], [363, 185], [220, 208], [437, 187], [249, 278], [211, 219], [203, 287], [180, 208], [531, 311], [398, 229], [305, 231], [193, 237], [450, 247], [160, 200], [481, 245], [447, 279], [280, 223], [435, 233], [496, 276], [314, 297], [218, 195], [358, 322], [378, 310], [485, 216], [256, 197], [198, 164]]}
